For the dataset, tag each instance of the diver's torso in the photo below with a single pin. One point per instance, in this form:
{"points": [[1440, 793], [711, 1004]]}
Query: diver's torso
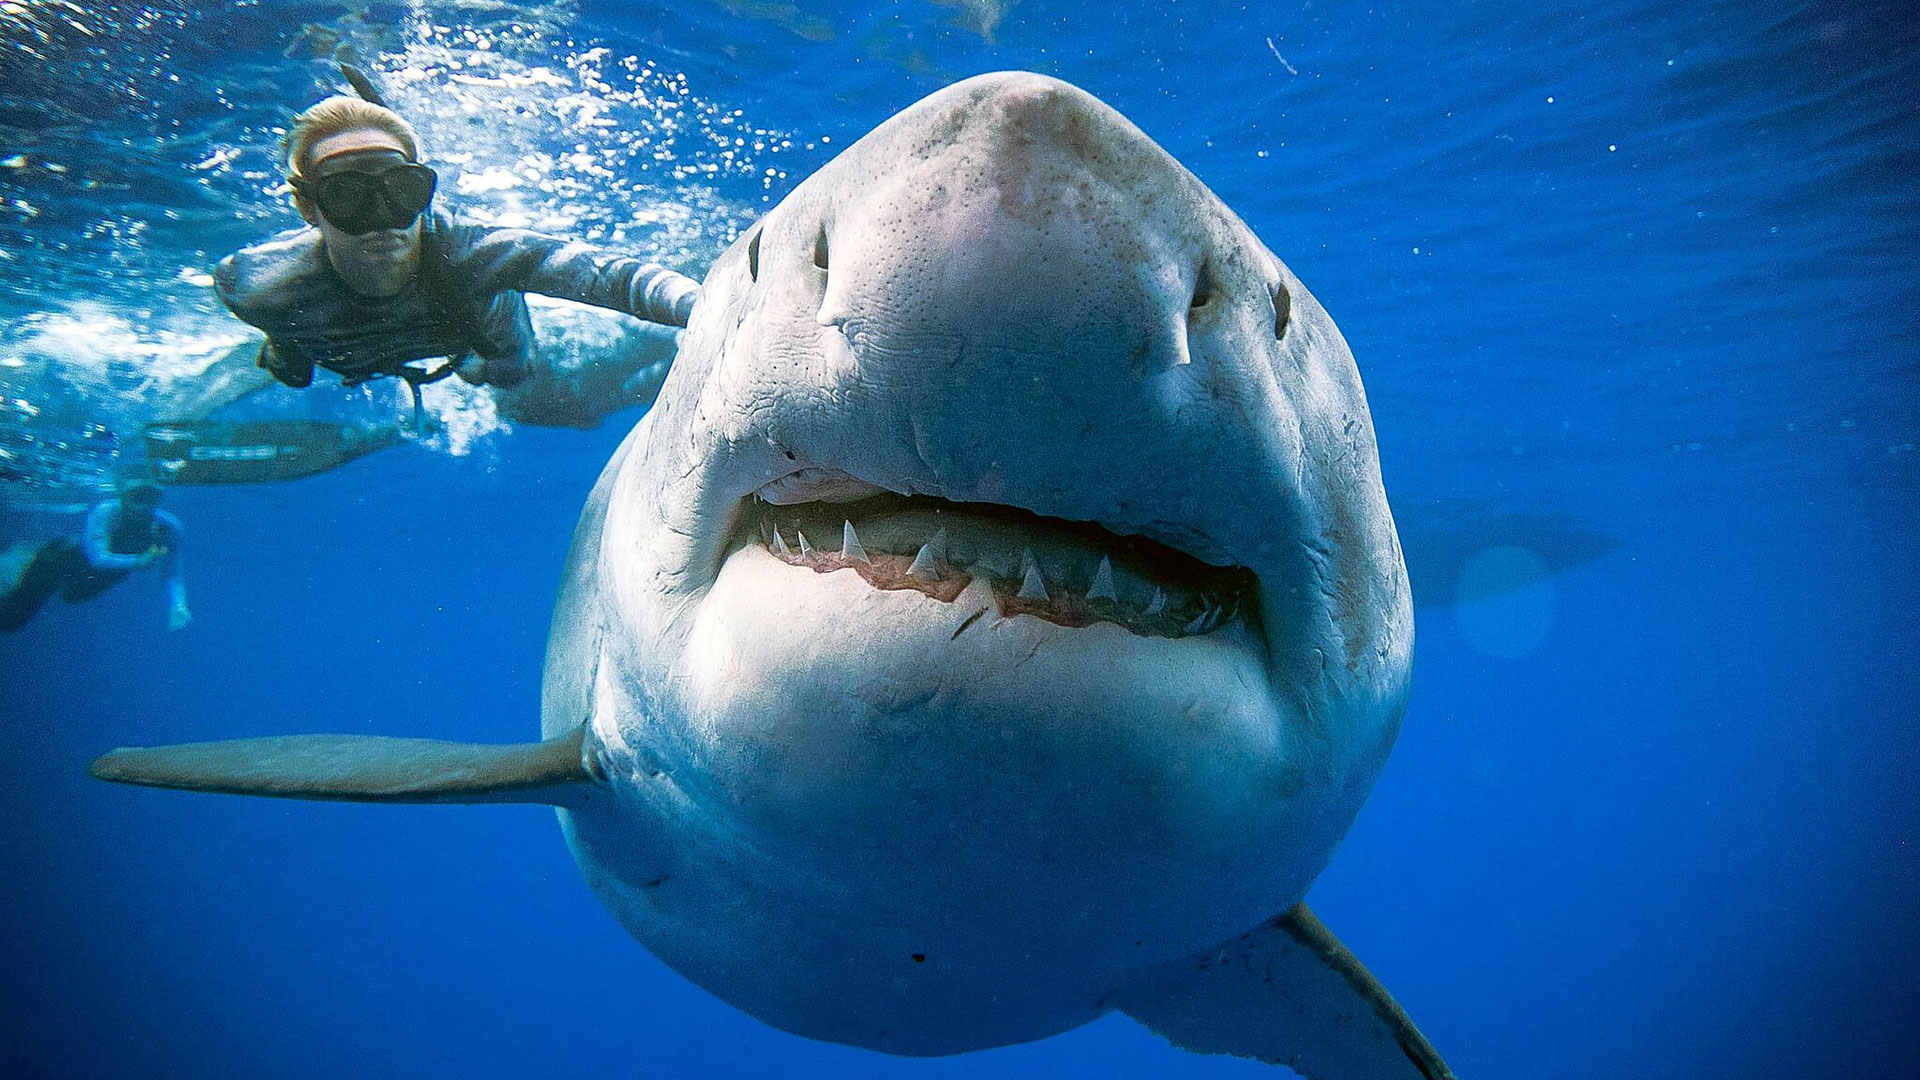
{"points": [[129, 533], [287, 288]]}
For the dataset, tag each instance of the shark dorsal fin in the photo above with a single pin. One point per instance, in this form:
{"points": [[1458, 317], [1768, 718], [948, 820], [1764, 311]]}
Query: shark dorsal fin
{"points": [[363, 768]]}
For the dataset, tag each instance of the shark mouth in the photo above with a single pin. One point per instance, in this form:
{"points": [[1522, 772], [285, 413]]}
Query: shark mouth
{"points": [[1070, 573]]}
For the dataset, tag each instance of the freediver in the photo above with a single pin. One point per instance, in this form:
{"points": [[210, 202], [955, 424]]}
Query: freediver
{"points": [[381, 278], [121, 535]]}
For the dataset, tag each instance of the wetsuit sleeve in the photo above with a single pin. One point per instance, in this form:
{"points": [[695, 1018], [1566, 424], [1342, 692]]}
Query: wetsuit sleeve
{"points": [[96, 541], [283, 361], [515, 260], [176, 582]]}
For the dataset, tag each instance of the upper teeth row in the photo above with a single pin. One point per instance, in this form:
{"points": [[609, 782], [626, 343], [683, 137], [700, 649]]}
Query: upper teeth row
{"points": [[1033, 587]]}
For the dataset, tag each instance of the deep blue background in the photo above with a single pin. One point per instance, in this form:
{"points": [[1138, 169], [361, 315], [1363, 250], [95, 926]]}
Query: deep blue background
{"points": [[1678, 839]]}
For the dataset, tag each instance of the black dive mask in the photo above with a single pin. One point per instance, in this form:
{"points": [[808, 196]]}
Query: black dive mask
{"points": [[360, 202]]}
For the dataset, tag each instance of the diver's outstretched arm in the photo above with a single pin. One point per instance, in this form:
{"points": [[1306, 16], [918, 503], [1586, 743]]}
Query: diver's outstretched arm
{"points": [[499, 260]]}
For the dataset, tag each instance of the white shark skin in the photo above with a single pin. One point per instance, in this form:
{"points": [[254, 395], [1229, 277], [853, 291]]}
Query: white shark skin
{"points": [[820, 804]]}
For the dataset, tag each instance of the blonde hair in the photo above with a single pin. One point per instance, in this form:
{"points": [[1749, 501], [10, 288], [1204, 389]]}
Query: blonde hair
{"points": [[338, 114]]}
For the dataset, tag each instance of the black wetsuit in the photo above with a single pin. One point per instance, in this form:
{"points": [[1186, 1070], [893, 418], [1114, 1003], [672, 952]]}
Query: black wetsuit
{"points": [[465, 299], [82, 568]]}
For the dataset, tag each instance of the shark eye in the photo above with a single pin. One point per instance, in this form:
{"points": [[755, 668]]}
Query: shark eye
{"points": [[753, 257], [1282, 306], [820, 250]]}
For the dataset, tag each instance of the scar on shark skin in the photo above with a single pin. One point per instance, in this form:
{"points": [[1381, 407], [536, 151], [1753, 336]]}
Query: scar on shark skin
{"points": [[970, 620]]}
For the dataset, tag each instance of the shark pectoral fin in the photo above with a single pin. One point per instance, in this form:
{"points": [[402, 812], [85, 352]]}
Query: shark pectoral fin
{"points": [[364, 768], [1287, 993]]}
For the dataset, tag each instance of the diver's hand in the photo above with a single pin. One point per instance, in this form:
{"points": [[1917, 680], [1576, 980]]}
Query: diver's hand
{"points": [[296, 374], [152, 555], [503, 373], [178, 617]]}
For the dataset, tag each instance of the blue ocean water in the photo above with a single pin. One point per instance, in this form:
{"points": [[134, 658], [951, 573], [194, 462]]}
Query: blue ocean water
{"points": [[1633, 289]]}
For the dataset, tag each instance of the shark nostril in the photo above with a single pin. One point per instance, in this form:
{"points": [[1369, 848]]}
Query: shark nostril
{"points": [[753, 257], [1282, 306], [820, 250], [1202, 287]]}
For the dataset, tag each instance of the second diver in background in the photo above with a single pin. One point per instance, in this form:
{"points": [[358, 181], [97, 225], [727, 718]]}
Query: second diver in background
{"points": [[121, 535], [381, 278]]}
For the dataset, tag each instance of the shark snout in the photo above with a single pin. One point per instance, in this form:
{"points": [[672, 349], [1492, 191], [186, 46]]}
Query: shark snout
{"points": [[1033, 306]]}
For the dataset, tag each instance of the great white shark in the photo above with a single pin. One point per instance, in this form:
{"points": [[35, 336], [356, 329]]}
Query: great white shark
{"points": [[997, 621]]}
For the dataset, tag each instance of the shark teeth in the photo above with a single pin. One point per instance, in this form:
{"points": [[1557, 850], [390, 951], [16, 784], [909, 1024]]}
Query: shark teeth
{"points": [[850, 548], [923, 565], [1102, 587], [1031, 587], [1212, 617], [926, 565], [1067, 574]]}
